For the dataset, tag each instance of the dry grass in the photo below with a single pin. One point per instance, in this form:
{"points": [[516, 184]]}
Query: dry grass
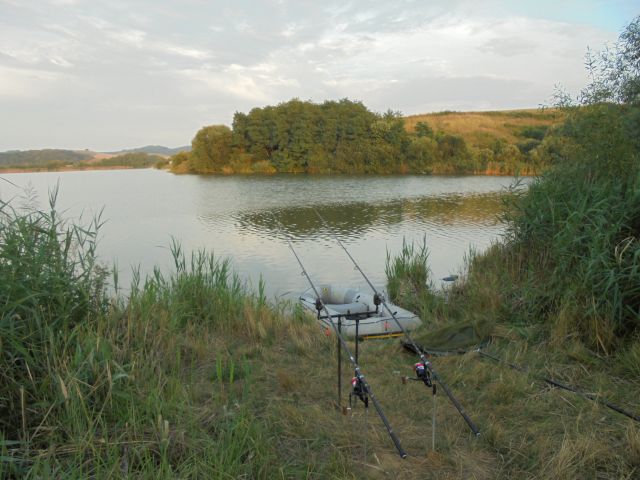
{"points": [[480, 129], [528, 430]]}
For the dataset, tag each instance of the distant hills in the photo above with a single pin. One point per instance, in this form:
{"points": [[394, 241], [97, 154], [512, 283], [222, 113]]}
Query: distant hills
{"points": [[57, 157], [155, 150], [20, 158]]}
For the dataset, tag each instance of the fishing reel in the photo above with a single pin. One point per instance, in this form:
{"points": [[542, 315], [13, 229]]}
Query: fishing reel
{"points": [[377, 300], [319, 306], [423, 373], [358, 390]]}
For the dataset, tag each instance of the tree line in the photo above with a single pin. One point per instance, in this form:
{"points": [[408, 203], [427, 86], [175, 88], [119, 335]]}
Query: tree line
{"points": [[346, 137]]}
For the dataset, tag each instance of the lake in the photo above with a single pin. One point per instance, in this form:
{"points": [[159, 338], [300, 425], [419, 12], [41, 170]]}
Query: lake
{"points": [[233, 216]]}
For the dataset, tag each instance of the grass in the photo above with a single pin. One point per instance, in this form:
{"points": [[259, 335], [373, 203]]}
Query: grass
{"points": [[481, 129]]}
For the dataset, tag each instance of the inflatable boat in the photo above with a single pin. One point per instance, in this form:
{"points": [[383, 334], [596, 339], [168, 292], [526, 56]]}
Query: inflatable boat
{"points": [[354, 311]]}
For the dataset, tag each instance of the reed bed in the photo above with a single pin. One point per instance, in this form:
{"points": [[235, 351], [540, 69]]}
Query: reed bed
{"points": [[157, 384]]}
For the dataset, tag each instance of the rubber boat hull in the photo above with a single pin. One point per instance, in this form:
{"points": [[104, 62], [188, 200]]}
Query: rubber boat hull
{"points": [[348, 307]]}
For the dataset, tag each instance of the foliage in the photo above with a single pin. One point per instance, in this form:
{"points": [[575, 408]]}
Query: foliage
{"points": [[345, 137], [408, 277], [615, 72], [211, 149], [577, 229], [575, 232], [133, 160], [423, 129], [91, 388]]}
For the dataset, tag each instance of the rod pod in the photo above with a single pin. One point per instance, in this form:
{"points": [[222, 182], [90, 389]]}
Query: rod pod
{"points": [[434, 374], [358, 373]]}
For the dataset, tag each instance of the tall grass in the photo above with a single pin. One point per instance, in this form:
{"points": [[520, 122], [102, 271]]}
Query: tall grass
{"points": [[576, 232], [51, 288], [408, 276], [162, 383]]}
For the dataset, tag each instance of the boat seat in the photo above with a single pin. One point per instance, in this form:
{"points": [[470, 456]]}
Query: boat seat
{"points": [[348, 308]]}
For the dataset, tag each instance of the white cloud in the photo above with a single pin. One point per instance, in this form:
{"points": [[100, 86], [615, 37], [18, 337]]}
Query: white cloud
{"points": [[22, 83], [199, 62]]}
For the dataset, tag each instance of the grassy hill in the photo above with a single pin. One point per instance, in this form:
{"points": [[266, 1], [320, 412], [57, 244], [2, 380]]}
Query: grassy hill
{"points": [[481, 129], [155, 150]]}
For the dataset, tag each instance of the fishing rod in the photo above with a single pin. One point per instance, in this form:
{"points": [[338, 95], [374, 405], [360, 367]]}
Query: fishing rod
{"points": [[361, 382], [549, 381], [421, 369], [555, 383]]}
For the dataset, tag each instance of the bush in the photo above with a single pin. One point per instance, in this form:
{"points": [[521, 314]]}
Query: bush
{"points": [[577, 230]]}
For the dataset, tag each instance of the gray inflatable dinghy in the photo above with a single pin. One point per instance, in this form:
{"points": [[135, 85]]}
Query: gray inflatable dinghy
{"points": [[351, 307]]}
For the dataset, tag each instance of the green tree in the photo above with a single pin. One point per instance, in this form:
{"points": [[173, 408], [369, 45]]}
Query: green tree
{"points": [[614, 73], [211, 149], [423, 130]]}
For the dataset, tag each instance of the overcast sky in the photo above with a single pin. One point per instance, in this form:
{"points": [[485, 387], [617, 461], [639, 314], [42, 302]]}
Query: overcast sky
{"points": [[115, 74]]}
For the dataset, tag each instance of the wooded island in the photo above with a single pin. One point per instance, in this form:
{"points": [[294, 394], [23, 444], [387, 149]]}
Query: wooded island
{"points": [[346, 137]]}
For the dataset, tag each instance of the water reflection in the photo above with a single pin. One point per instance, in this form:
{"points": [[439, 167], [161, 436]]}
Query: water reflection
{"points": [[233, 217], [357, 219]]}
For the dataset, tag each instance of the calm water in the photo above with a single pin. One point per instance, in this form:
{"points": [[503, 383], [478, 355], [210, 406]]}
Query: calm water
{"points": [[233, 217]]}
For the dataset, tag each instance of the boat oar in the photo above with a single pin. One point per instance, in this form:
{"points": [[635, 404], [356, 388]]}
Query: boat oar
{"points": [[359, 376], [426, 364]]}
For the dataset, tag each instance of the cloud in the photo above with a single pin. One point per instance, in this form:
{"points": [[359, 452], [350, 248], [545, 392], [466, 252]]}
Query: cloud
{"points": [[22, 83], [173, 66]]}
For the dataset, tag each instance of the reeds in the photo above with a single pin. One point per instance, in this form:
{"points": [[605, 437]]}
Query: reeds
{"points": [[157, 383], [408, 276], [576, 234]]}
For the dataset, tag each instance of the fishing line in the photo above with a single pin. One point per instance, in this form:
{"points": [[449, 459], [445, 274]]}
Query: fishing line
{"points": [[555, 383], [423, 359], [549, 381], [360, 378]]}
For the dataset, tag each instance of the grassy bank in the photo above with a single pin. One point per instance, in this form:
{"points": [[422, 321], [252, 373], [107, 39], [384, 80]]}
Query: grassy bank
{"points": [[191, 375]]}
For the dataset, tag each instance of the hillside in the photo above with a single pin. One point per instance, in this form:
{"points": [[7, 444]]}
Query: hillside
{"points": [[17, 158], [59, 159], [481, 129], [155, 150]]}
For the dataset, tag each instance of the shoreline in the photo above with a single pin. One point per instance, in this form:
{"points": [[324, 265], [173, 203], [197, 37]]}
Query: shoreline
{"points": [[67, 169], [487, 173]]}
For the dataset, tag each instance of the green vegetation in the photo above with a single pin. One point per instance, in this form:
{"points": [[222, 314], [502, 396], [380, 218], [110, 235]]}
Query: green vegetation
{"points": [[345, 137], [67, 159], [192, 375], [166, 382], [560, 294], [130, 160], [35, 159]]}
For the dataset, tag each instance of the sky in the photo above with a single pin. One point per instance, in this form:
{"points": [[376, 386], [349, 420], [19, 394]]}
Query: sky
{"points": [[108, 75]]}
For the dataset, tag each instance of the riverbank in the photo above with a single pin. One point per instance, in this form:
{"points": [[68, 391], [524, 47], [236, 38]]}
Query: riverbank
{"points": [[193, 375], [489, 173]]}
